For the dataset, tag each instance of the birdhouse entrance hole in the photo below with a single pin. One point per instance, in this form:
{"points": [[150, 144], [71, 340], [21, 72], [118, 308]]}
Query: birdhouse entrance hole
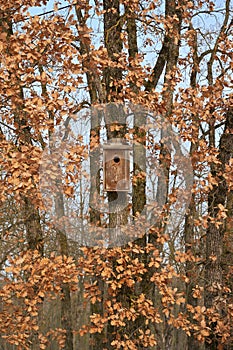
{"points": [[116, 159]]}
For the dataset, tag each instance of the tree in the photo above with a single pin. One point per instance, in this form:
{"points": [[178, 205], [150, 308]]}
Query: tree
{"points": [[139, 71]]}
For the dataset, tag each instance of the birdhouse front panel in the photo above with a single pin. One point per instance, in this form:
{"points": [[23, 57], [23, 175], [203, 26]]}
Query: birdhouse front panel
{"points": [[116, 170]]}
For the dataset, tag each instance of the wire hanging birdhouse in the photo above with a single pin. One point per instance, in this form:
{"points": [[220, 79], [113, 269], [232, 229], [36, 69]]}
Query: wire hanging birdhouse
{"points": [[116, 166]]}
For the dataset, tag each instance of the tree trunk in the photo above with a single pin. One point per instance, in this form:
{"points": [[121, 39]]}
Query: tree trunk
{"points": [[66, 307], [215, 231]]}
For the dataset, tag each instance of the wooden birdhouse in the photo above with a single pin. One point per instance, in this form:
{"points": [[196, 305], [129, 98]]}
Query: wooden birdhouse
{"points": [[116, 166]]}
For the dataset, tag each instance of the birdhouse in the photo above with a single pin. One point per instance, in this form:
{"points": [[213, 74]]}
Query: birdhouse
{"points": [[116, 166]]}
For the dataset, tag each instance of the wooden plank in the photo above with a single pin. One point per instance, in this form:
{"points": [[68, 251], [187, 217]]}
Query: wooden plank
{"points": [[116, 170]]}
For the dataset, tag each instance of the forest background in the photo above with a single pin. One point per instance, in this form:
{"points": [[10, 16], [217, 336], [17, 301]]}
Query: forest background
{"points": [[171, 286]]}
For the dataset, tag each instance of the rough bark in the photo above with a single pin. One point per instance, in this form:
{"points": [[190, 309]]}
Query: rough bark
{"points": [[215, 232], [113, 44]]}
